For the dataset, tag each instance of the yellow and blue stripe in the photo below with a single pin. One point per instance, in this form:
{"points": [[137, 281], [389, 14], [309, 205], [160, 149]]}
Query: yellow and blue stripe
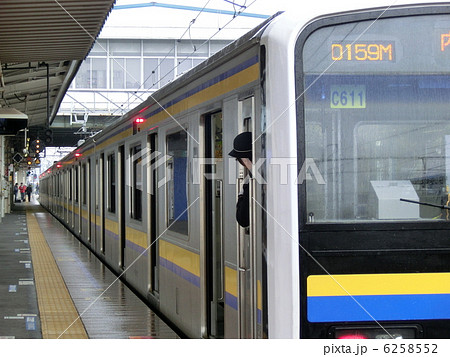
{"points": [[180, 261], [380, 297]]}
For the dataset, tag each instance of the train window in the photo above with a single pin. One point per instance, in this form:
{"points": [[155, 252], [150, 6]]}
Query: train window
{"points": [[84, 184], [176, 186], [97, 185], [376, 133], [77, 184], [70, 184], [136, 187], [61, 184], [111, 194]]}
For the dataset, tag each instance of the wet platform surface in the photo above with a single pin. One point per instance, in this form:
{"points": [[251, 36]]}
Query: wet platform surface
{"points": [[107, 307], [19, 314]]}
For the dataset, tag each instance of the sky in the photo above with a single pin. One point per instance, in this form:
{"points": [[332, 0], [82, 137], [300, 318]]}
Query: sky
{"points": [[269, 7], [157, 22]]}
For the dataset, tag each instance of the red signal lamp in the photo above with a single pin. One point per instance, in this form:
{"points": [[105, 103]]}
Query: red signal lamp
{"points": [[77, 154], [139, 120], [58, 166]]}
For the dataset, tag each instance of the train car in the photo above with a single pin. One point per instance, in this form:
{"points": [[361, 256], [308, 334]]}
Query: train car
{"points": [[348, 233]]}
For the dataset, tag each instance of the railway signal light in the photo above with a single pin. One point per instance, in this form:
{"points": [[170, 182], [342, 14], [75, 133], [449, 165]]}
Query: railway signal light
{"points": [[48, 138], [37, 146]]}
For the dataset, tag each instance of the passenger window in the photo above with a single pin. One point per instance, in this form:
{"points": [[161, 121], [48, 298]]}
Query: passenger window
{"points": [[112, 183], [77, 184], [176, 186], [84, 183], [136, 199], [70, 184]]}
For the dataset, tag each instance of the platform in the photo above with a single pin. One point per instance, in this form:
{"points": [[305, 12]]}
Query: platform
{"points": [[52, 286]]}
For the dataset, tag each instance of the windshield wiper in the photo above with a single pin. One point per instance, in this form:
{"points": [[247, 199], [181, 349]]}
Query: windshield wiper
{"points": [[425, 204]]}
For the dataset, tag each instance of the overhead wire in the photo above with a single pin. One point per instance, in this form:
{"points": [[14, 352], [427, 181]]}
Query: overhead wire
{"points": [[243, 8], [172, 50]]}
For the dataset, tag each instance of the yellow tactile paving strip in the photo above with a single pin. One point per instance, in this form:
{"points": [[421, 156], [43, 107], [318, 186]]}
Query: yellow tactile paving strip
{"points": [[56, 308]]}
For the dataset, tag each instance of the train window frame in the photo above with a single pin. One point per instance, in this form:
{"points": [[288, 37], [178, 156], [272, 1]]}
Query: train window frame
{"points": [[77, 183], [97, 184], [181, 231], [136, 199], [84, 184], [300, 86], [111, 193], [70, 196]]}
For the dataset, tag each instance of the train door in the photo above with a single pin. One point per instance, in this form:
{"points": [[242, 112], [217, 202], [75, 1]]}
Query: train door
{"points": [[213, 245], [246, 238], [121, 205], [152, 219]]}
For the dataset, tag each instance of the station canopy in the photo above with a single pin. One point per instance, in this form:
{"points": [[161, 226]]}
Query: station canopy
{"points": [[42, 45]]}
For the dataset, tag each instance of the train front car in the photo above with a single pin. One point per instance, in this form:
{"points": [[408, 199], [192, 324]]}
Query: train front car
{"points": [[373, 133]]}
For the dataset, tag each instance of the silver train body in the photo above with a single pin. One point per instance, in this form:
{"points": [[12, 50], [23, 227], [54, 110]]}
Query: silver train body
{"points": [[155, 198], [154, 195]]}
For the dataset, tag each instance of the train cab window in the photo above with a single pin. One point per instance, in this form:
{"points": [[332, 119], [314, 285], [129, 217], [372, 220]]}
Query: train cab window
{"points": [[176, 186], [376, 132], [111, 194], [136, 181]]}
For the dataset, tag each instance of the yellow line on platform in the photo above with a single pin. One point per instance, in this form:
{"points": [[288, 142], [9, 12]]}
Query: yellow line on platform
{"points": [[56, 308]]}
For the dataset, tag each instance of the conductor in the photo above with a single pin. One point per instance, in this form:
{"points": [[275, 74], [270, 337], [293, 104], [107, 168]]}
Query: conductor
{"points": [[242, 151]]}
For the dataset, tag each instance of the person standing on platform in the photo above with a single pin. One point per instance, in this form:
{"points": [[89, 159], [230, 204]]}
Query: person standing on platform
{"points": [[15, 190], [22, 189], [29, 189]]}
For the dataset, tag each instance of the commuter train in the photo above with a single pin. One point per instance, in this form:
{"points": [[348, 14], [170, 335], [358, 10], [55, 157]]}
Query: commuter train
{"points": [[349, 233]]}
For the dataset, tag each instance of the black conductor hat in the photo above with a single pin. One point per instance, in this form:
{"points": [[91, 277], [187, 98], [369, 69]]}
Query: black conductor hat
{"points": [[242, 146]]}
